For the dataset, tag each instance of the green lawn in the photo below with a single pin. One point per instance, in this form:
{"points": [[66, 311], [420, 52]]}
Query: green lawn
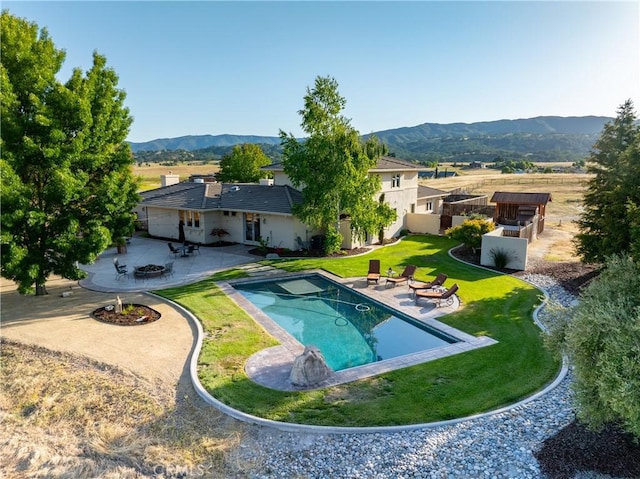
{"points": [[494, 305]]}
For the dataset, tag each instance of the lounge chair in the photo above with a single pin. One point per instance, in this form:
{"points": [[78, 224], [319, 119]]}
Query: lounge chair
{"points": [[121, 269], [406, 275], [439, 281], [438, 296], [374, 271]]}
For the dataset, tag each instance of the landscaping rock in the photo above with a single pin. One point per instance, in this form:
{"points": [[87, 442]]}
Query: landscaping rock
{"points": [[309, 368]]}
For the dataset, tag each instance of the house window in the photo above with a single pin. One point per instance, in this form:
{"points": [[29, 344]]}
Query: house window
{"points": [[190, 218], [429, 205], [395, 181], [225, 213], [413, 207]]}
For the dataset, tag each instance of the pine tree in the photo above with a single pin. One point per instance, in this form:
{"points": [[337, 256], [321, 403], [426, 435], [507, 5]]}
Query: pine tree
{"points": [[609, 224]]}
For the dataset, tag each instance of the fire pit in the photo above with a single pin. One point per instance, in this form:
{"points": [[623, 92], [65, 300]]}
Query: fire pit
{"points": [[148, 271]]}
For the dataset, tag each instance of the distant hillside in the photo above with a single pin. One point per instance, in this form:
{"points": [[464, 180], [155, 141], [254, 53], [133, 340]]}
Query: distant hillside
{"points": [[199, 142], [545, 138]]}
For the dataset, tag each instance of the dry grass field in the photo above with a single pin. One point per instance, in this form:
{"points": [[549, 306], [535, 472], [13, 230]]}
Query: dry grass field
{"points": [[150, 174], [67, 416]]}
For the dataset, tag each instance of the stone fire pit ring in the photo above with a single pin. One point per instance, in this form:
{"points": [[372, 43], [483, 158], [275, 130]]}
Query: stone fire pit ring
{"points": [[148, 271]]}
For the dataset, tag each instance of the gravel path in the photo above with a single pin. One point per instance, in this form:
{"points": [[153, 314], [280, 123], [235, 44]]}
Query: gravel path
{"points": [[498, 446]]}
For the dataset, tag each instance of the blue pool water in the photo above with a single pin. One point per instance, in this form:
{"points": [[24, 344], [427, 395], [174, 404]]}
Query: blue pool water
{"points": [[349, 328]]}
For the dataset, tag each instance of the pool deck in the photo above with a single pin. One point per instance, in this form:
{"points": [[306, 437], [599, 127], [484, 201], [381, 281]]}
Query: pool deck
{"points": [[271, 367]]}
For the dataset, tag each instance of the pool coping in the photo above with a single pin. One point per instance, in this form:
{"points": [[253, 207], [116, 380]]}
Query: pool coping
{"points": [[272, 366]]}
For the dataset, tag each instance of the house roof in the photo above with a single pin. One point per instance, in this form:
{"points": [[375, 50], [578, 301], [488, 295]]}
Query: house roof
{"points": [[427, 192], [384, 163], [259, 198], [391, 163], [521, 198], [214, 196]]}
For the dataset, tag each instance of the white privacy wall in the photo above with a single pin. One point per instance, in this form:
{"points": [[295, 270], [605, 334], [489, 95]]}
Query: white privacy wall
{"points": [[516, 248]]}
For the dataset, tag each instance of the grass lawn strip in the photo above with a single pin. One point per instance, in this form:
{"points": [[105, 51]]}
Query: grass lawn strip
{"points": [[495, 305]]}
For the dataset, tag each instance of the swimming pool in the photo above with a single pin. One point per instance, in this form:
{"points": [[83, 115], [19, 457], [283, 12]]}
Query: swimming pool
{"points": [[349, 328]]}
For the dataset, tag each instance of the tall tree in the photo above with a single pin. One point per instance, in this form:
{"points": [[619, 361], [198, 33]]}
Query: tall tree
{"points": [[242, 164], [331, 167], [609, 224], [66, 169]]}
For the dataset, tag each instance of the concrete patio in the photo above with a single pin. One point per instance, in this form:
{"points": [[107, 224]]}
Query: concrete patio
{"points": [[143, 251]]}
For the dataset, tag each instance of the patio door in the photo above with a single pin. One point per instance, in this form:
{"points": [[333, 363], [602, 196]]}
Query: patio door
{"points": [[252, 227]]}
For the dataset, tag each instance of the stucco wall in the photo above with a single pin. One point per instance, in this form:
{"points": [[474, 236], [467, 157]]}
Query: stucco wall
{"points": [[399, 198], [421, 205], [423, 223], [280, 178], [163, 222], [516, 248], [281, 231]]}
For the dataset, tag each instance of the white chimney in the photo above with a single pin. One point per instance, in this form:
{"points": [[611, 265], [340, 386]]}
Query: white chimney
{"points": [[266, 181], [170, 179]]}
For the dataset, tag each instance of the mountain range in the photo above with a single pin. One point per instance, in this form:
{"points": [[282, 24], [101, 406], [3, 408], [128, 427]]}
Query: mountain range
{"points": [[544, 138]]}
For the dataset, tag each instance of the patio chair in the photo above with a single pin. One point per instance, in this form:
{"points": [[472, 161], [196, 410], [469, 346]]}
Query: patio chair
{"points": [[374, 271], [173, 250], [168, 269], [190, 249], [406, 275], [121, 269], [438, 296], [196, 248], [139, 274], [439, 281]]}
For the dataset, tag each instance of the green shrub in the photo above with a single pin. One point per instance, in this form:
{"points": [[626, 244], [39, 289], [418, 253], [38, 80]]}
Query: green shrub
{"points": [[333, 241], [601, 336], [470, 232]]}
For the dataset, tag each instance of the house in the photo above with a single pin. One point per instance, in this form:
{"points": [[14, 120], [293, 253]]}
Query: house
{"points": [[248, 212], [429, 200], [477, 164], [256, 213], [399, 185]]}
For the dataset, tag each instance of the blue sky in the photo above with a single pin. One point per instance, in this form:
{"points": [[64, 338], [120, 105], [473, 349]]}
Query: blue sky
{"points": [[192, 68]]}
